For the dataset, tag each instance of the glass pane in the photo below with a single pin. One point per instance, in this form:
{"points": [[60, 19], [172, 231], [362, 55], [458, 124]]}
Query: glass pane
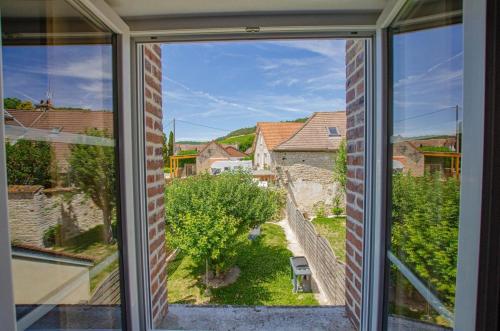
{"points": [[60, 148], [425, 143]]}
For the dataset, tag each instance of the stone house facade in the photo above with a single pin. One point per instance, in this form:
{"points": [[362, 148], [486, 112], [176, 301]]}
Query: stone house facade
{"points": [[268, 136], [305, 160]]}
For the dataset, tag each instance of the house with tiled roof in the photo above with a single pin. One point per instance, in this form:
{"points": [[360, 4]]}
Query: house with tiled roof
{"points": [[62, 126], [315, 143], [268, 136], [213, 152], [302, 155]]}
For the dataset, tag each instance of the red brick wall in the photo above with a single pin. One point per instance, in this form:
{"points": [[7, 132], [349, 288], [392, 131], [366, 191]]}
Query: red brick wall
{"points": [[355, 109], [155, 180]]}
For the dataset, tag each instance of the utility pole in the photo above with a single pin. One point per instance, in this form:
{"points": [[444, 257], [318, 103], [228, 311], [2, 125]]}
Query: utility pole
{"points": [[174, 130], [174, 137]]}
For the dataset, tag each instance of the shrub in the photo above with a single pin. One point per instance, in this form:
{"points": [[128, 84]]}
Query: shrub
{"points": [[337, 207], [425, 215], [52, 236], [29, 163], [319, 209], [206, 214], [340, 167]]}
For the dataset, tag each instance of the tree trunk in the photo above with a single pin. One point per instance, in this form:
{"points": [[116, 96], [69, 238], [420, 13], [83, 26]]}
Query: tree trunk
{"points": [[108, 232]]}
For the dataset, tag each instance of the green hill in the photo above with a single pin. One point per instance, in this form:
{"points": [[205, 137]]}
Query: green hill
{"points": [[242, 137], [244, 141]]}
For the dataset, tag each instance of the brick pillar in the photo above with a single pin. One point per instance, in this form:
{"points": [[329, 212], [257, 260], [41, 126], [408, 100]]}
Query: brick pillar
{"points": [[155, 180], [355, 109]]}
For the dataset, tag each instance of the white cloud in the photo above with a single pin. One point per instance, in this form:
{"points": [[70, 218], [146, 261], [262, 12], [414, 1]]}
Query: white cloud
{"points": [[93, 68], [333, 49], [218, 100]]}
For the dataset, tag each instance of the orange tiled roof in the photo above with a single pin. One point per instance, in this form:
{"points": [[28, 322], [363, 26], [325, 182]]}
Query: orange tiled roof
{"points": [[275, 133], [65, 120], [314, 134], [233, 152]]}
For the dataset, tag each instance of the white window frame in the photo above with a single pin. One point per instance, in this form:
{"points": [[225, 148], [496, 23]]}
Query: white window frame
{"points": [[474, 18], [374, 254]]}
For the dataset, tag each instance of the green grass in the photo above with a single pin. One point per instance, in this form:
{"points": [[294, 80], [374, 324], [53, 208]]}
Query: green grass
{"points": [[264, 279], [333, 230], [90, 243], [243, 141]]}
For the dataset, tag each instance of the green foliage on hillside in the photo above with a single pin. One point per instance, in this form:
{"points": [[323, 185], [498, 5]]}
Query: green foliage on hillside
{"points": [[190, 142], [206, 215], [29, 162], [239, 132], [244, 142], [425, 212], [298, 120]]}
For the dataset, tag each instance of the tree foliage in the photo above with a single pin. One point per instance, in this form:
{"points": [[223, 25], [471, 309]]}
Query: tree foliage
{"points": [[11, 103], [168, 147], [206, 215], [92, 171], [29, 162], [340, 167], [171, 142], [15, 103], [425, 213]]}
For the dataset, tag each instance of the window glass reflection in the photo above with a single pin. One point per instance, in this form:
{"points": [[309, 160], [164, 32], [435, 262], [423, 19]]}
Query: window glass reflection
{"points": [[61, 167], [427, 79]]}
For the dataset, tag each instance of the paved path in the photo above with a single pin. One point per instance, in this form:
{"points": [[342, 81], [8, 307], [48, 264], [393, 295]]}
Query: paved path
{"points": [[296, 249], [258, 318]]}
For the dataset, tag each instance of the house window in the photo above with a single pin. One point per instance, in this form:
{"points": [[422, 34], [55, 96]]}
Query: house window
{"points": [[333, 131]]}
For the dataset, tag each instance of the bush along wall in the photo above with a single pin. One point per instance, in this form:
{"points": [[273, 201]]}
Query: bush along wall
{"points": [[425, 216]]}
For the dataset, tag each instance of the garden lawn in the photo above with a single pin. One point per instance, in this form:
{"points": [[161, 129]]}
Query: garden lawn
{"points": [[333, 230], [264, 279]]}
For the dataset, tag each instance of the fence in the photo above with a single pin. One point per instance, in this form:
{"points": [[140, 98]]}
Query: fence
{"points": [[327, 270]]}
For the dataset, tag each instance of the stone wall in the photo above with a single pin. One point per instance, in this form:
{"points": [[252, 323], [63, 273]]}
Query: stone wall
{"points": [[327, 270], [323, 160], [33, 210], [155, 181], [309, 186], [355, 111]]}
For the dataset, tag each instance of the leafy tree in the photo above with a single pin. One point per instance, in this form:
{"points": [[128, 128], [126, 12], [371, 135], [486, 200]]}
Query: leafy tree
{"points": [[340, 177], [340, 167], [206, 215], [164, 148], [29, 162], [92, 171], [11, 103], [425, 214], [25, 105], [171, 144]]}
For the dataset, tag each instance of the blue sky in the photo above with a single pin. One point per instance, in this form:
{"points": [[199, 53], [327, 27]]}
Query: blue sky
{"points": [[78, 76], [230, 85], [428, 81]]}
